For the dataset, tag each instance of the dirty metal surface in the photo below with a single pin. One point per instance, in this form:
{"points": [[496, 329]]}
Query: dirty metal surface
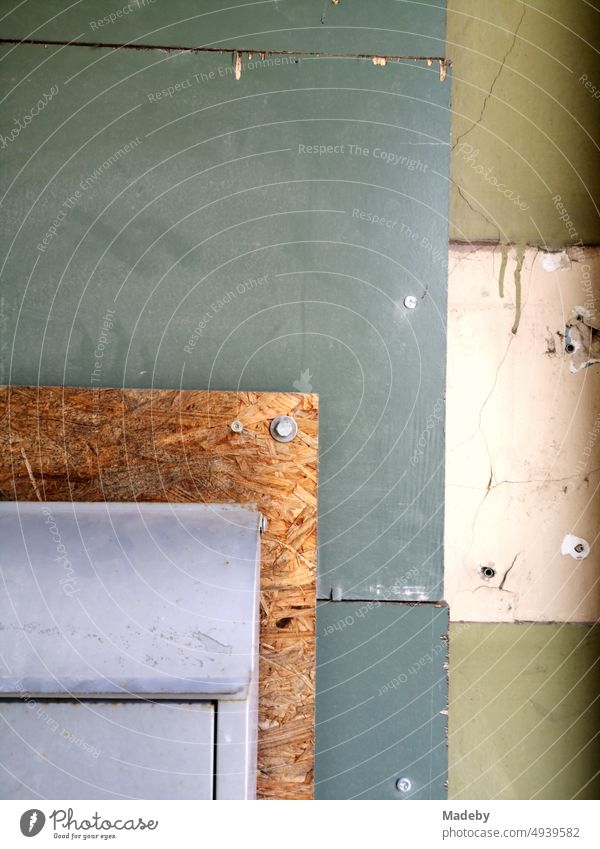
{"points": [[109, 598], [106, 750]]}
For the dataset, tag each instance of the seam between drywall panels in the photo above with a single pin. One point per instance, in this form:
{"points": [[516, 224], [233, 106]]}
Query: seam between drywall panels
{"points": [[380, 601], [236, 53]]}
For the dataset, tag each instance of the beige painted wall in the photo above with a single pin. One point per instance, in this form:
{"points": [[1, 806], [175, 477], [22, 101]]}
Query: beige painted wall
{"points": [[523, 440]]}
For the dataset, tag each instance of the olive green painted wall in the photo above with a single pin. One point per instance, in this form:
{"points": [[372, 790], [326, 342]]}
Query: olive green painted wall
{"points": [[523, 115], [524, 717]]}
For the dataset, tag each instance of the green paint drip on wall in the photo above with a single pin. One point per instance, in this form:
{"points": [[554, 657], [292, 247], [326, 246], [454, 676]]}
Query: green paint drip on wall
{"points": [[518, 289], [502, 270], [523, 715]]}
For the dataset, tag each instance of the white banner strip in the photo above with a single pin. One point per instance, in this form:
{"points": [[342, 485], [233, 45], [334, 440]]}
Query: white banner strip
{"points": [[344, 824]]}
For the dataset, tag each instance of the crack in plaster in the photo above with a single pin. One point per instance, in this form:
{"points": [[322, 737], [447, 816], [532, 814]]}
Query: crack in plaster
{"points": [[583, 475], [494, 81], [470, 205], [500, 586], [504, 577]]}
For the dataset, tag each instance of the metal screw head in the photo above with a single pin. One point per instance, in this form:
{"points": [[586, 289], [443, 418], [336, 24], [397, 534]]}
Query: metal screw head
{"points": [[580, 547], [404, 785], [283, 428], [236, 426], [410, 302]]}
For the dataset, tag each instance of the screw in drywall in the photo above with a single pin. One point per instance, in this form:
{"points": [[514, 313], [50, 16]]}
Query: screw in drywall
{"points": [[283, 428], [579, 547], [236, 426], [410, 302], [404, 785]]}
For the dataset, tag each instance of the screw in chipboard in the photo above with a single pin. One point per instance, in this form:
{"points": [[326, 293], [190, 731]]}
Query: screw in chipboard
{"points": [[410, 302], [283, 428], [404, 785], [236, 426]]}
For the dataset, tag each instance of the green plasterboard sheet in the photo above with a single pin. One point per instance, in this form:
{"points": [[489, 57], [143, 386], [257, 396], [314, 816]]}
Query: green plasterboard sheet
{"points": [[381, 700], [382, 27], [196, 241], [526, 100], [524, 717]]}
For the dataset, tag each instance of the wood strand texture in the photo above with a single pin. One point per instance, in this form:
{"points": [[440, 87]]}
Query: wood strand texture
{"points": [[93, 444]]}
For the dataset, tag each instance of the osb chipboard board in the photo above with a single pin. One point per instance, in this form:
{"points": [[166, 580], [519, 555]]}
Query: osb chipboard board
{"points": [[166, 445]]}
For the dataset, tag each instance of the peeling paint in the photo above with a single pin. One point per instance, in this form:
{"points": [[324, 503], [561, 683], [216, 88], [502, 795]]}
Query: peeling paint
{"points": [[237, 65], [317, 54], [582, 340], [550, 344], [555, 261]]}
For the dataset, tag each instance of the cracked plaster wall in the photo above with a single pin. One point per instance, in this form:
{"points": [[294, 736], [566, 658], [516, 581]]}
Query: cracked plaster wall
{"points": [[523, 441]]}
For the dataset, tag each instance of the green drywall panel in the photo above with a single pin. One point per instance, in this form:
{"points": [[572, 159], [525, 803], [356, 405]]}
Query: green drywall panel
{"points": [[382, 27], [381, 700], [524, 718], [526, 120], [200, 239]]}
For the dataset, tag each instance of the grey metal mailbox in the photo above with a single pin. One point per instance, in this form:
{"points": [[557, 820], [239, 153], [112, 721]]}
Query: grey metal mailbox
{"points": [[128, 650]]}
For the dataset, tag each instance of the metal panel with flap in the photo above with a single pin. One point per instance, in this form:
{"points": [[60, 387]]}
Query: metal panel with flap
{"points": [[138, 626]]}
